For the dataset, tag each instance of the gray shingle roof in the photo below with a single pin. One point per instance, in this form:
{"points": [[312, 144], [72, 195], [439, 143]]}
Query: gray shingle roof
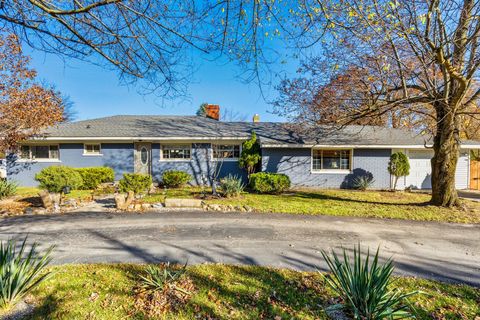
{"points": [[269, 133]]}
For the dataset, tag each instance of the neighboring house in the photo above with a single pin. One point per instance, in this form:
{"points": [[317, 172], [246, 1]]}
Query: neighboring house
{"points": [[152, 144]]}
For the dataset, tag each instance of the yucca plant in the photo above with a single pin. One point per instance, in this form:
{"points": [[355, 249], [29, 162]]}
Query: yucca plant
{"points": [[231, 186], [21, 270], [363, 182], [7, 188], [364, 286], [157, 278]]}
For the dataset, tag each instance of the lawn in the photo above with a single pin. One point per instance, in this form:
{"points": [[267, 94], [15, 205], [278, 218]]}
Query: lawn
{"points": [[373, 204], [224, 292]]}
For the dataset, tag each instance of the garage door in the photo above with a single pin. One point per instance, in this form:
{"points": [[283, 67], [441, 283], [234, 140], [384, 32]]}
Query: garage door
{"points": [[420, 169]]}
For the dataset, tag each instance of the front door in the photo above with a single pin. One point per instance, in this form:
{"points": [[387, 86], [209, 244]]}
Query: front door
{"points": [[143, 157]]}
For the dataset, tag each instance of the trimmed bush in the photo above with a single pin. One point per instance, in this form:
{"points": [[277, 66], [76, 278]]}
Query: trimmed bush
{"points": [[7, 188], [266, 182], [398, 166], [94, 176], [135, 182], [231, 186], [175, 178], [54, 178]]}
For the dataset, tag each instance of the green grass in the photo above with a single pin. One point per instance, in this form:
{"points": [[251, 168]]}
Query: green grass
{"points": [[182, 193], [374, 204], [225, 292], [26, 192]]}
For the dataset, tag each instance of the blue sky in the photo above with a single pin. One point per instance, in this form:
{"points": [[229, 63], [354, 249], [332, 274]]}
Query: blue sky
{"points": [[97, 92]]}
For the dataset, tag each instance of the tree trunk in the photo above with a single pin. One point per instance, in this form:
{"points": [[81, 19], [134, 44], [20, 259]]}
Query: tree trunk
{"points": [[446, 148], [395, 183]]}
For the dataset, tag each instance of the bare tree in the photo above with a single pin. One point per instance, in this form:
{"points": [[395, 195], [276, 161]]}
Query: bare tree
{"points": [[411, 53], [150, 40]]}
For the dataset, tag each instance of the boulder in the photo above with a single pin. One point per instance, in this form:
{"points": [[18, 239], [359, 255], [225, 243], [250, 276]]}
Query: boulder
{"points": [[248, 208], [47, 201], [120, 202]]}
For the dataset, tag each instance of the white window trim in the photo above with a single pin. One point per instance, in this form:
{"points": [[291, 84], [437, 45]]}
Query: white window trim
{"points": [[31, 159], [331, 171], [99, 154], [162, 159], [212, 158]]}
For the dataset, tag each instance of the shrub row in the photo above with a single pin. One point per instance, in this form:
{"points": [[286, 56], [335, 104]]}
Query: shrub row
{"points": [[54, 178]]}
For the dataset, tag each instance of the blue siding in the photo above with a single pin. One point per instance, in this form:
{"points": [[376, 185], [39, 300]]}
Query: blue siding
{"points": [[199, 166], [296, 163], [118, 156]]}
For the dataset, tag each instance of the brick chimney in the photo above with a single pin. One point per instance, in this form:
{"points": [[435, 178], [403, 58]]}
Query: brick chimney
{"points": [[256, 117], [212, 111]]}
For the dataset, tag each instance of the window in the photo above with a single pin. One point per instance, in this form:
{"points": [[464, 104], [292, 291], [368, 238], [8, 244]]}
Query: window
{"points": [[39, 152], [144, 155], [176, 152], [331, 159], [226, 151], [91, 149]]}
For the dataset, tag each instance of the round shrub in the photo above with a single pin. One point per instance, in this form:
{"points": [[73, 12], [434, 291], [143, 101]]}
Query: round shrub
{"points": [[54, 178], [135, 182], [231, 186], [266, 182], [175, 178], [94, 176]]}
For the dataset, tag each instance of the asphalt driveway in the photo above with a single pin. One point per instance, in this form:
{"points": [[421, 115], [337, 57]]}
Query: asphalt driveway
{"points": [[448, 252]]}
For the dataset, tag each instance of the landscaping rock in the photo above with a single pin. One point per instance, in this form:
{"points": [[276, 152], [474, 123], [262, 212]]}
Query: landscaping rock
{"points": [[248, 208], [238, 208], [183, 203], [120, 202], [70, 203], [158, 205], [47, 201], [39, 211], [56, 198], [214, 207], [146, 206], [130, 197], [138, 207]]}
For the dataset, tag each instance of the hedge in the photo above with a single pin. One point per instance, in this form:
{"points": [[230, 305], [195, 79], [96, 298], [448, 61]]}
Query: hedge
{"points": [[266, 182], [175, 178], [135, 182], [55, 178], [94, 176]]}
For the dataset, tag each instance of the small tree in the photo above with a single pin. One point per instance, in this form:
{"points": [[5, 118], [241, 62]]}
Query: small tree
{"points": [[398, 166], [250, 156]]}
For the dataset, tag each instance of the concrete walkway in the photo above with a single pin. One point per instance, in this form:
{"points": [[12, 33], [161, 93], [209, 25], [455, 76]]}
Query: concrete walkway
{"points": [[448, 252]]}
